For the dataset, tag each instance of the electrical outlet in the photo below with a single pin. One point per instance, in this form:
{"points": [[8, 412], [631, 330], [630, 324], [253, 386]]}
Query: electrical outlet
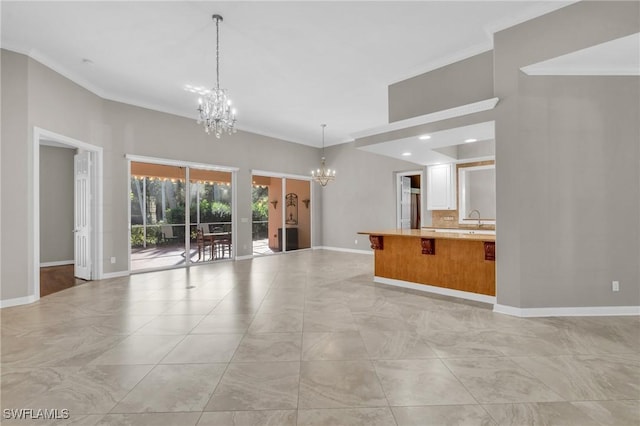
{"points": [[356, 241], [615, 286], [113, 260]]}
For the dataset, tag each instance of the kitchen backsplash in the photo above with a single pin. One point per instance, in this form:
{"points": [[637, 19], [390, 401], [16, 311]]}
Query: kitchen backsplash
{"points": [[449, 219]]}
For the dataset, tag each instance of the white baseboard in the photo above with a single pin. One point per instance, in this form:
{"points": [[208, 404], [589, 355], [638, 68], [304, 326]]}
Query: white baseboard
{"points": [[582, 311], [107, 275], [17, 301], [437, 290], [347, 250], [250, 256], [57, 263]]}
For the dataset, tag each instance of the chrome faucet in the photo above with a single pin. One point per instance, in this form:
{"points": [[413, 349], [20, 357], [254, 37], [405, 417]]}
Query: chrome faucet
{"points": [[476, 211]]}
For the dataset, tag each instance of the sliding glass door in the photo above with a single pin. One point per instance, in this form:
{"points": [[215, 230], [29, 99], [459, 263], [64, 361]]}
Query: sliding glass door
{"points": [[281, 214], [166, 230]]}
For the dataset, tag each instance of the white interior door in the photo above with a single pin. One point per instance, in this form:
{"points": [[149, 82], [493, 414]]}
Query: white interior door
{"points": [[82, 214], [405, 203]]}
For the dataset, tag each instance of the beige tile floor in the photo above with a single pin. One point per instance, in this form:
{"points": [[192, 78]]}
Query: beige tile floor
{"points": [[308, 339]]}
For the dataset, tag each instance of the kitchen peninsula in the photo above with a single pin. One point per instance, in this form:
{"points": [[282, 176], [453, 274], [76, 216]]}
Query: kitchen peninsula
{"points": [[459, 264]]}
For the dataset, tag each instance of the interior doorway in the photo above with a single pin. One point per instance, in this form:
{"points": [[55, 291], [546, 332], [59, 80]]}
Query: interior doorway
{"points": [[67, 223], [409, 199]]}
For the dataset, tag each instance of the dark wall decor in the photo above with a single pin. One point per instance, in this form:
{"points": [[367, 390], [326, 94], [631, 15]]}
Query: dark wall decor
{"points": [[291, 212]]}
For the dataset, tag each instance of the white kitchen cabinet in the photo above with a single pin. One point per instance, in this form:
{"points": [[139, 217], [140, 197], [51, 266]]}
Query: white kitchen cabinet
{"points": [[441, 187]]}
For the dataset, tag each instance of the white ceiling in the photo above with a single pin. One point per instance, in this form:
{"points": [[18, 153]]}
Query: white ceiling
{"points": [[288, 66]]}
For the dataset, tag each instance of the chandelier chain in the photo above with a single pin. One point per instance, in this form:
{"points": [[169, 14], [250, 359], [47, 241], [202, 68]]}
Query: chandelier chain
{"points": [[217, 18]]}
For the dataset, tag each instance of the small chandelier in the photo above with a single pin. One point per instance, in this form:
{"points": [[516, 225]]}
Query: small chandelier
{"points": [[323, 175], [215, 110]]}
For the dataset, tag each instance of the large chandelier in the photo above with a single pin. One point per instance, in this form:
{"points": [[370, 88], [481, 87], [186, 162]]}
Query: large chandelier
{"points": [[323, 175], [215, 107]]}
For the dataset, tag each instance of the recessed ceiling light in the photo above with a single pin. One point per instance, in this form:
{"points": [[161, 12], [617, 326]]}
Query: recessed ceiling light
{"points": [[471, 140], [424, 137], [406, 154]]}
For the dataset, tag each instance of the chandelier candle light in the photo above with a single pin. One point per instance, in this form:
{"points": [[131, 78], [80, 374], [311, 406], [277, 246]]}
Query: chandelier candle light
{"points": [[215, 107], [323, 175]]}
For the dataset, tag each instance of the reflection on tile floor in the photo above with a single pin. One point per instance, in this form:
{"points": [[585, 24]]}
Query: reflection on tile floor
{"points": [[308, 339], [172, 255]]}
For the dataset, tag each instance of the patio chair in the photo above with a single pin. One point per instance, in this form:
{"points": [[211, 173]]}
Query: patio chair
{"points": [[221, 241], [166, 234], [202, 244]]}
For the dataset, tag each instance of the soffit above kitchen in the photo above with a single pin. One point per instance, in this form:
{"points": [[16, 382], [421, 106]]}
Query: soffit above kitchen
{"points": [[475, 142]]}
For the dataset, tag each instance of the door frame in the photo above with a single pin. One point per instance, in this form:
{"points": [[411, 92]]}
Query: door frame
{"points": [[284, 177], [96, 234], [399, 176]]}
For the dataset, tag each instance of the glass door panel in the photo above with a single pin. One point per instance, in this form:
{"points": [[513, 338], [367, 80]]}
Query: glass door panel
{"points": [[157, 194], [297, 214], [210, 210], [266, 213]]}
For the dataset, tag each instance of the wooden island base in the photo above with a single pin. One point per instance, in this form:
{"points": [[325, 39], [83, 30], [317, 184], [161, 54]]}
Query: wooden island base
{"points": [[459, 265]]}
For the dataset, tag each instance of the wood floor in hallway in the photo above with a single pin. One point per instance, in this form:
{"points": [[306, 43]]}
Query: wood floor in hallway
{"points": [[56, 278]]}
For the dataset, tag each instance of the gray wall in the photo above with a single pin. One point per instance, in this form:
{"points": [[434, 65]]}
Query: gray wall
{"points": [[567, 165], [56, 204], [363, 197], [461, 83], [15, 227]]}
